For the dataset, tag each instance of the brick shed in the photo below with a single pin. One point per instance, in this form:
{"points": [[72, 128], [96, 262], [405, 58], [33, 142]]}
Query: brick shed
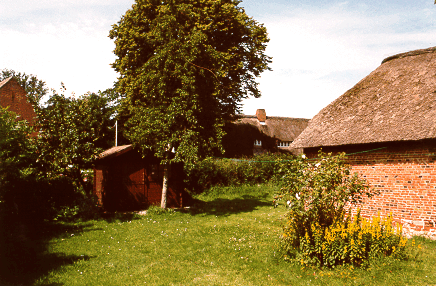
{"points": [[386, 124], [123, 180], [14, 96]]}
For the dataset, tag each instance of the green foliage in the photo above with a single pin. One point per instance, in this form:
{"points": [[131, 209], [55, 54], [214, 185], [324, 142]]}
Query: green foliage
{"points": [[18, 154], [318, 193], [347, 241], [319, 190], [80, 206], [156, 210], [185, 67], [232, 172], [73, 131], [43, 168], [23, 187], [17, 149]]}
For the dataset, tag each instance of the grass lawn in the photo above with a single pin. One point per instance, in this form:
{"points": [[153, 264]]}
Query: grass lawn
{"points": [[229, 238]]}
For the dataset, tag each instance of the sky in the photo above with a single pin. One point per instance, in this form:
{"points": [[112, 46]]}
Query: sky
{"points": [[320, 49]]}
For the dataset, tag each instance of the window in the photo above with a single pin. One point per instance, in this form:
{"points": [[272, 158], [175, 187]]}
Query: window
{"points": [[257, 143], [282, 144]]}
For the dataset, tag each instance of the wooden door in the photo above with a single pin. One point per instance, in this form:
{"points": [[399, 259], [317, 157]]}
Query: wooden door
{"points": [[133, 180], [154, 184]]}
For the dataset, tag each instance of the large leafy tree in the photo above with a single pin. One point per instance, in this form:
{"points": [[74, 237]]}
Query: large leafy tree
{"points": [[185, 66], [72, 132]]}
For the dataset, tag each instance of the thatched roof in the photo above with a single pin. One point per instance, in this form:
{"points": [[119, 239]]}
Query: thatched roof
{"points": [[396, 102], [281, 128]]}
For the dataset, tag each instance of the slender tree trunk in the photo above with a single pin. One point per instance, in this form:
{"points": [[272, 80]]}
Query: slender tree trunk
{"points": [[163, 202]]}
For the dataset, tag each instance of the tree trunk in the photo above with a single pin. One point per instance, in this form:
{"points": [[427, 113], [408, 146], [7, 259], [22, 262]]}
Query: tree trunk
{"points": [[163, 202]]}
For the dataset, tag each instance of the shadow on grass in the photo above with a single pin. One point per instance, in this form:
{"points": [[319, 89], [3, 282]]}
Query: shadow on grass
{"points": [[226, 207], [24, 248], [119, 216]]}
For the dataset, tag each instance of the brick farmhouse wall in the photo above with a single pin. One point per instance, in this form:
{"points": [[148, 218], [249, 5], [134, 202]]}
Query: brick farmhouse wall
{"points": [[12, 95], [403, 174]]}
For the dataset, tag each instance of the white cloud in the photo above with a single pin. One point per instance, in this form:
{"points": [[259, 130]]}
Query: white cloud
{"points": [[61, 44], [11, 8], [78, 57], [318, 55], [318, 52]]}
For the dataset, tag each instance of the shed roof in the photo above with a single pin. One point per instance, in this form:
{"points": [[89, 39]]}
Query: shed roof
{"points": [[396, 102], [114, 151], [282, 128]]}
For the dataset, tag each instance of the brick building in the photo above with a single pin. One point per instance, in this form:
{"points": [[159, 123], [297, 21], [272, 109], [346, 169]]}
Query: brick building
{"points": [[14, 96], [253, 134], [386, 124]]}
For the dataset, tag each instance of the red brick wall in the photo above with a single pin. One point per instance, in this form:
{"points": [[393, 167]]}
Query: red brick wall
{"points": [[404, 174], [14, 96]]}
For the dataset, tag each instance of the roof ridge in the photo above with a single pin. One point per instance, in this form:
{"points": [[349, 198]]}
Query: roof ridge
{"points": [[115, 151], [410, 53], [238, 116], [285, 117], [3, 82]]}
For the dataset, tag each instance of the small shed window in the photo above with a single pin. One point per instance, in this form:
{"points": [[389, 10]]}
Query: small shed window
{"points": [[257, 143], [282, 144]]}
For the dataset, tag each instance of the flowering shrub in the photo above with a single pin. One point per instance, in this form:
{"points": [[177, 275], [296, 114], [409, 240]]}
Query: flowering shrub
{"points": [[318, 230], [349, 242]]}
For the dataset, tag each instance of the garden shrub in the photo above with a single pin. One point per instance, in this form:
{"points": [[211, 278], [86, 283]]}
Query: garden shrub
{"points": [[56, 198], [232, 172], [351, 241], [319, 230], [29, 188]]}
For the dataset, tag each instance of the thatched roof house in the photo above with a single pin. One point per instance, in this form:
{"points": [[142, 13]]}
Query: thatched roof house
{"points": [[396, 102], [251, 134], [386, 124]]}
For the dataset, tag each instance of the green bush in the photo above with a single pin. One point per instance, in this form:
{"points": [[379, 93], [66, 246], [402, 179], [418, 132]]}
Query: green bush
{"points": [[33, 198], [233, 172], [318, 230], [29, 187], [347, 241]]}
